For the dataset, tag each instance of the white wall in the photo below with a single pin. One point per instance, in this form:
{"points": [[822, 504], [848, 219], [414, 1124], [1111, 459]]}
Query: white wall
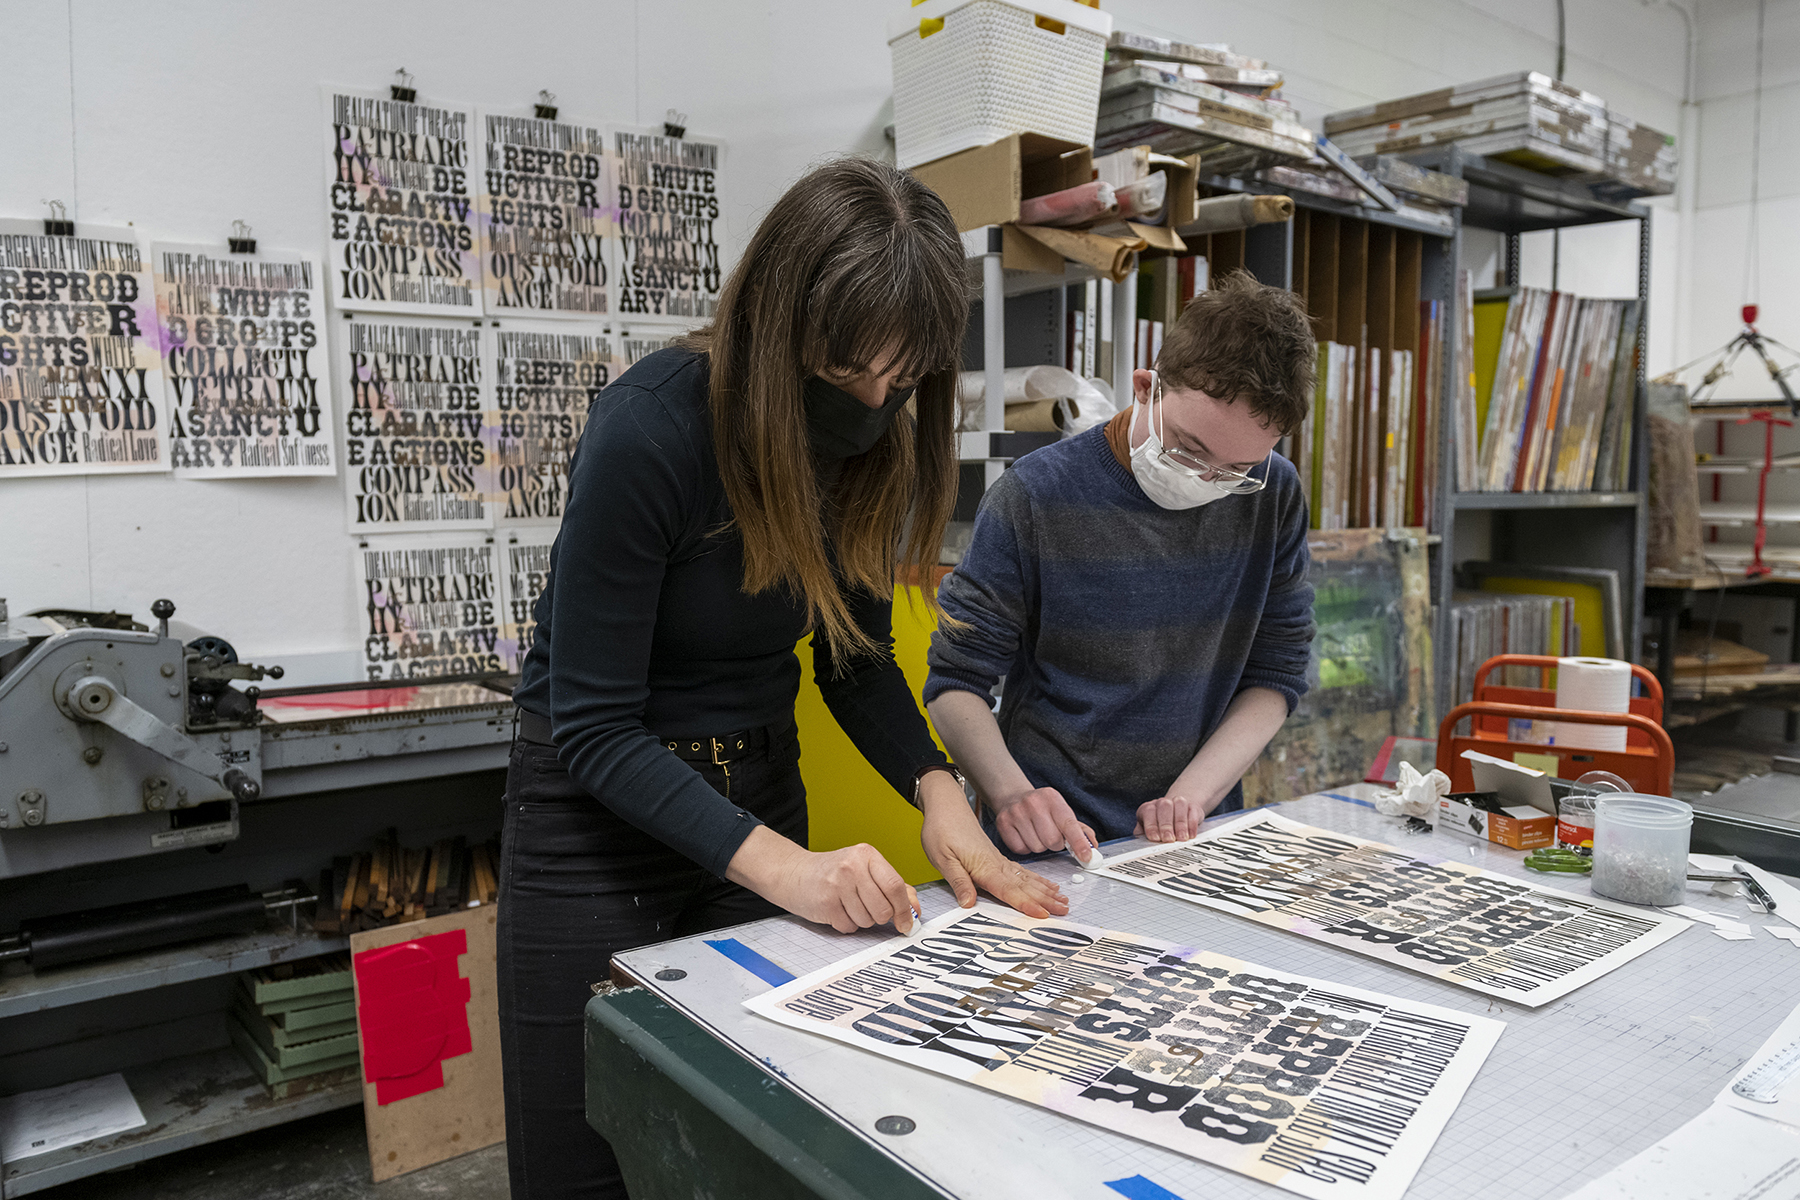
{"points": [[183, 115], [1725, 91]]}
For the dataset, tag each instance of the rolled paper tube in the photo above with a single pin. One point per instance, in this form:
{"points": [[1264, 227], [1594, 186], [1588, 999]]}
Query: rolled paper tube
{"points": [[1079, 205], [1112, 257], [1040, 416], [1219, 214], [1143, 200]]}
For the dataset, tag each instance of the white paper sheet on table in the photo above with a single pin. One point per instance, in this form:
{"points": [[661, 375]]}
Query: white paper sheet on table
{"points": [[1787, 1108], [1319, 1088], [1722, 1154], [1440, 917], [38, 1122]]}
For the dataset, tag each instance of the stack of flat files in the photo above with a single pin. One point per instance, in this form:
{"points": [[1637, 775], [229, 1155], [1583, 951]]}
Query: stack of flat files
{"points": [[295, 1024], [1525, 118], [1176, 107]]}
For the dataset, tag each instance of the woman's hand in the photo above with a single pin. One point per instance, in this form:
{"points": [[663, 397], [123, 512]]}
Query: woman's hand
{"points": [[849, 889], [958, 847]]}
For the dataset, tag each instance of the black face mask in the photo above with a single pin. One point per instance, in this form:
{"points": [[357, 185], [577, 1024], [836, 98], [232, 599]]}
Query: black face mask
{"points": [[840, 425]]}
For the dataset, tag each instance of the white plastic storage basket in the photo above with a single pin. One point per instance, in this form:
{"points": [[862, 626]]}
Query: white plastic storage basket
{"points": [[970, 72]]}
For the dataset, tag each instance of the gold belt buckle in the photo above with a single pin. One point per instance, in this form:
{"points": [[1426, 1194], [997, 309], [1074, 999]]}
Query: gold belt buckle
{"points": [[717, 746]]}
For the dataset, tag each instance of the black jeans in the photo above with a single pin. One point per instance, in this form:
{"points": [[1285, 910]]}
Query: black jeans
{"points": [[579, 884]]}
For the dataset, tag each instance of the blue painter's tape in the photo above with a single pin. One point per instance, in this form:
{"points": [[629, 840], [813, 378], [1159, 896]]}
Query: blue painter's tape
{"points": [[751, 961], [1349, 799], [1139, 1188]]}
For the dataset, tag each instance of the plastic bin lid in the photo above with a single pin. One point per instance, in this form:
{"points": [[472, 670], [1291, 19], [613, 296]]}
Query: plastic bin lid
{"points": [[1066, 11]]}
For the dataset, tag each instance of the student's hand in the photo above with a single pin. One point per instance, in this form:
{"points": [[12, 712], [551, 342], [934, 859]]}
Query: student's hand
{"points": [[959, 848], [1041, 820], [849, 889], [1170, 819]]}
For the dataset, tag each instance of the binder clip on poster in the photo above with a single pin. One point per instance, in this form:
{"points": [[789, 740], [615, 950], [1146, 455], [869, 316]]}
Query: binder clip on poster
{"points": [[402, 88], [240, 240], [57, 224], [675, 123], [546, 105]]}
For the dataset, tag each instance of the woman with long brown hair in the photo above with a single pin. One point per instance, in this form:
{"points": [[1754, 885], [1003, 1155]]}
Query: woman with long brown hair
{"points": [[766, 476]]}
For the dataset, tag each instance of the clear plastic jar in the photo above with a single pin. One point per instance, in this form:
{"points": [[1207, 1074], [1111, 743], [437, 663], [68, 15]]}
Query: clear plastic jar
{"points": [[1641, 848]]}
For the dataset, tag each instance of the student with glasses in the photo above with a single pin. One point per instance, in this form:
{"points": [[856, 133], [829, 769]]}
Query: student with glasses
{"points": [[1142, 590]]}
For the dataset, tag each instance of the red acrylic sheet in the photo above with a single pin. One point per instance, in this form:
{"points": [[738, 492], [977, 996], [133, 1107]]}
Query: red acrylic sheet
{"points": [[412, 1006]]}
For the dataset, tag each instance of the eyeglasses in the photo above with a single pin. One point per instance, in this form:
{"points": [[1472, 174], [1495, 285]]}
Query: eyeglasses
{"points": [[1238, 483]]}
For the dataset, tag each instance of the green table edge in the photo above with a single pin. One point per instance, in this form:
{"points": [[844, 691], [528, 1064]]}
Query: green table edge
{"points": [[823, 1156]]}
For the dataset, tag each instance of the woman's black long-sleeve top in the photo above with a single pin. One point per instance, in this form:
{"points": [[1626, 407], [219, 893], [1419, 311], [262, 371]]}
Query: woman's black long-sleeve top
{"points": [[644, 632]]}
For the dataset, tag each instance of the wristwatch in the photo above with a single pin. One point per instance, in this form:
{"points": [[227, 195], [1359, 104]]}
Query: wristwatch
{"points": [[928, 768]]}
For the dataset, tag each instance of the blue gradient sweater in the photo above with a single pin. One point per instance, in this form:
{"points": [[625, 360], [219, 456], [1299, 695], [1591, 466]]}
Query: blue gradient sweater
{"points": [[1123, 629]]}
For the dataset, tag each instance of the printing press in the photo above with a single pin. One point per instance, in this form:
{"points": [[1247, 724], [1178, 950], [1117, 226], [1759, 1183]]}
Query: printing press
{"points": [[165, 819]]}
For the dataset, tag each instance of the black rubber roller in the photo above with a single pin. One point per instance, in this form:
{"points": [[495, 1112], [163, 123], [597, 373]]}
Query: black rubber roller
{"points": [[129, 928]]}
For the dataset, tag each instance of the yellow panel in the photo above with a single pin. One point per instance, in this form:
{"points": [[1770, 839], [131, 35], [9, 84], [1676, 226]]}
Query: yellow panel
{"points": [[1590, 607], [1490, 324], [1549, 764], [847, 801]]}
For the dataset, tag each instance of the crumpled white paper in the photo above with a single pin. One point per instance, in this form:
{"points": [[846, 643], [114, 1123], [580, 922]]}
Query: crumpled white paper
{"points": [[1415, 795]]}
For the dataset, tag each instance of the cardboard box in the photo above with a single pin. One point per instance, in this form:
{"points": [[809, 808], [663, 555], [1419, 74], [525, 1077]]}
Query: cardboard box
{"points": [[983, 186], [1519, 826]]}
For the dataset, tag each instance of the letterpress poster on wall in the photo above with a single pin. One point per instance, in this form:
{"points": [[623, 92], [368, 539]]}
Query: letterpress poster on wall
{"points": [[81, 390], [527, 574], [547, 196], [1442, 918], [430, 606], [400, 197], [544, 379], [417, 436], [668, 216], [1319, 1089], [244, 358]]}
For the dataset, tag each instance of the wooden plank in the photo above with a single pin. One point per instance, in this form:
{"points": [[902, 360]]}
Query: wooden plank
{"points": [[1353, 331], [1321, 274], [1302, 234], [1377, 414]]}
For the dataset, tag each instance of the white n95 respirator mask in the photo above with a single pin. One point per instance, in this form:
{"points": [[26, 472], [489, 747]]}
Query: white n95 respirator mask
{"points": [[1165, 481]]}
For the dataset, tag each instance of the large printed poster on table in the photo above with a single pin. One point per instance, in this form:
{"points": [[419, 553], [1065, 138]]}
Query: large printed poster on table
{"points": [[430, 606], [245, 362], [1320, 1089], [417, 442], [400, 205], [547, 213], [81, 389], [668, 219], [544, 379], [1442, 918]]}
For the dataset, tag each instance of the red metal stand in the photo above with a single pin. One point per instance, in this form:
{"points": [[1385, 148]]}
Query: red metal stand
{"points": [[1757, 567]]}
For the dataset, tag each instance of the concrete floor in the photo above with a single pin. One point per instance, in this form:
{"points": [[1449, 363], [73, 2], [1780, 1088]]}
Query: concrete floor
{"points": [[320, 1158]]}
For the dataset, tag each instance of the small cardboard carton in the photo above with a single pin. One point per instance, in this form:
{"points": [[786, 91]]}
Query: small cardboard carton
{"points": [[1481, 816], [983, 186]]}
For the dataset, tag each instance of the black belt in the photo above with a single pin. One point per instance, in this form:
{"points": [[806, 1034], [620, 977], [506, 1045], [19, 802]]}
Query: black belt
{"points": [[719, 750]]}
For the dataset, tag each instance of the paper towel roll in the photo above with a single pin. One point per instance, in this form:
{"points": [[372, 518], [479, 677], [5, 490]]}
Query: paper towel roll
{"points": [[1597, 685]]}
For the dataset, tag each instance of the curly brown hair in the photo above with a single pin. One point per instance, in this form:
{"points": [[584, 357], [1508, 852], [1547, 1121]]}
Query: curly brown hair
{"points": [[1247, 341]]}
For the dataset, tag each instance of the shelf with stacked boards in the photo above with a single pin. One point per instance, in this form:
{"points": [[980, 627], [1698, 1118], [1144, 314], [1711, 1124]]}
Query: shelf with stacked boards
{"points": [[25, 991], [1513, 200], [1464, 501], [1576, 528], [1411, 217]]}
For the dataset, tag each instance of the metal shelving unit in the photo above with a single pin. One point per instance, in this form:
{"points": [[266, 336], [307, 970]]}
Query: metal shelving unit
{"points": [[186, 1101], [1540, 527]]}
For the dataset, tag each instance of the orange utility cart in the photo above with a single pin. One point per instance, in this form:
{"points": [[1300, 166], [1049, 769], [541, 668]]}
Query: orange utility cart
{"points": [[1647, 763]]}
